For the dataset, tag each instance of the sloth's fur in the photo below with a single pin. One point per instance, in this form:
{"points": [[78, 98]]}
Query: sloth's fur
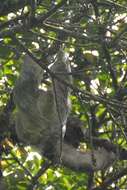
{"points": [[41, 114]]}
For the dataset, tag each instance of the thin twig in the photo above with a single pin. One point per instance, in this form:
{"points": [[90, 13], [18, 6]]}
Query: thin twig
{"points": [[34, 180]]}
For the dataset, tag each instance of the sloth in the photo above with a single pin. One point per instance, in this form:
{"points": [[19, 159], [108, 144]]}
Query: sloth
{"points": [[42, 114]]}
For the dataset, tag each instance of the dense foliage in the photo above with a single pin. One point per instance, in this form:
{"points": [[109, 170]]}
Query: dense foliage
{"points": [[94, 34]]}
